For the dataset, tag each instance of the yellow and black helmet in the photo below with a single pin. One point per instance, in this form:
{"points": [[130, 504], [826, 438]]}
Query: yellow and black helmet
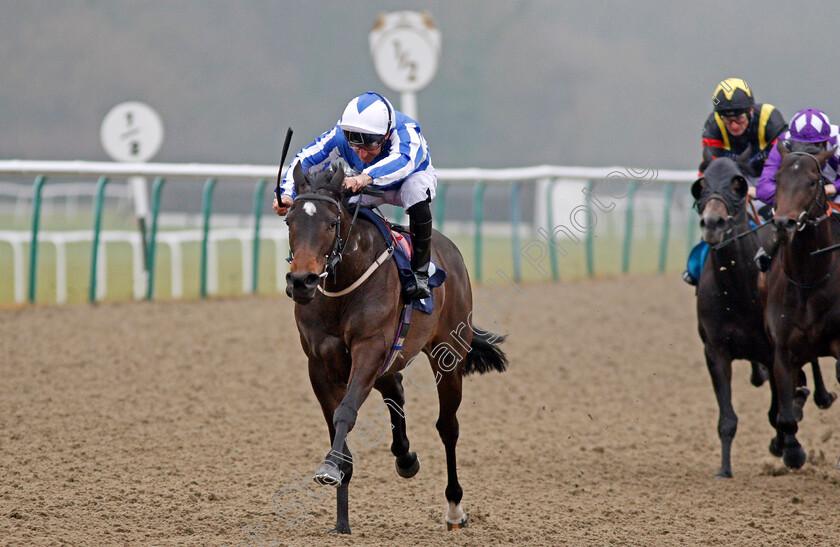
{"points": [[732, 97]]}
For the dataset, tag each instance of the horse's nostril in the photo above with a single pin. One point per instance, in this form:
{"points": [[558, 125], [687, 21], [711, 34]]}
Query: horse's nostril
{"points": [[784, 223], [302, 281], [712, 223]]}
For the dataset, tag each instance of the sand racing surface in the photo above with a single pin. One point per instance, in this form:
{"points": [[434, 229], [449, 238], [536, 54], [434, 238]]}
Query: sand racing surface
{"points": [[176, 423]]}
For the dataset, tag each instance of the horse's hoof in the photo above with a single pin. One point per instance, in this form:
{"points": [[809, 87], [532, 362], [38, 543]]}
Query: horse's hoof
{"points": [[776, 447], [794, 457], [724, 474], [328, 475], [340, 529], [759, 375], [457, 525], [411, 470], [825, 403]]}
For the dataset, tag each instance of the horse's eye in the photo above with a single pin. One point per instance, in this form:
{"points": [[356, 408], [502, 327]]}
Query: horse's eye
{"points": [[333, 224]]}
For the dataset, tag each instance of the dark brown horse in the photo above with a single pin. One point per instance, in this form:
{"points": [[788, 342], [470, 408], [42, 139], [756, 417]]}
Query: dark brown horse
{"points": [[803, 288], [730, 311], [730, 315], [348, 332]]}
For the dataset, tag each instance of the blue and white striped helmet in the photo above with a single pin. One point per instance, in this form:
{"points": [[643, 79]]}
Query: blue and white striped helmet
{"points": [[367, 118]]}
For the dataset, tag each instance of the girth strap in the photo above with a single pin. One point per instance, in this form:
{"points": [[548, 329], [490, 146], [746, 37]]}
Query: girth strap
{"points": [[402, 332]]}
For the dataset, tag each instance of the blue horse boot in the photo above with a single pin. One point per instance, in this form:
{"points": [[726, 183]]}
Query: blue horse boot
{"points": [[696, 259]]}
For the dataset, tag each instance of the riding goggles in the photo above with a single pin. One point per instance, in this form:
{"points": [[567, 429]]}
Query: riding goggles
{"points": [[365, 141], [734, 118]]}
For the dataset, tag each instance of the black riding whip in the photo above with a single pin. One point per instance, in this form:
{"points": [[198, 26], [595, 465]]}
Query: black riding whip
{"points": [[282, 161]]}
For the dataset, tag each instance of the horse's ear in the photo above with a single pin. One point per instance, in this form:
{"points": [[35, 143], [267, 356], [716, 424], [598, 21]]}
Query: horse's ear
{"points": [[824, 156], [337, 178], [299, 178], [743, 161], [739, 186], [697, 188], [781, 148], [707, 158]]}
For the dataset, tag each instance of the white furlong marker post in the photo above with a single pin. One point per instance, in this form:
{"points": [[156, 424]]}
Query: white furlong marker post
{"points": [[133, 132], [405, 46]]}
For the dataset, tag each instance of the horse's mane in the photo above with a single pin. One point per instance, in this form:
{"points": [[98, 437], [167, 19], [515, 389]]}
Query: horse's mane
{"points": [[322, 180]]}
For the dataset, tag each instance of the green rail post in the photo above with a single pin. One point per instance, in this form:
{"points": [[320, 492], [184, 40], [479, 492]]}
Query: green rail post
{"points": [[258, 195], [552, 250], [97, 228], [33, 247], [666, 227], [440, 206], [692, 233], [628, 228], [157, 188], [516, 220], [590, 234], [478, 218], [206, 207]]}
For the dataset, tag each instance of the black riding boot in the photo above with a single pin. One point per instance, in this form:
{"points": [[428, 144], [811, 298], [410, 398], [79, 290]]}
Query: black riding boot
{"points": [[420, 225]]}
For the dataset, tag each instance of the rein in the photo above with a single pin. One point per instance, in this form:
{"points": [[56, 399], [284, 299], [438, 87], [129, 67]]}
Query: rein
{"points": [[800, 284], [726, 242], [755, 218]]}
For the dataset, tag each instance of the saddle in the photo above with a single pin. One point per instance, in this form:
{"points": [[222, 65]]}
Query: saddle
{"points": [[399, 238]]}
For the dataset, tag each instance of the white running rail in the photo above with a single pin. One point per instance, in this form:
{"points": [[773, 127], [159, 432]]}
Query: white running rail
{"points": [[175, 241]]}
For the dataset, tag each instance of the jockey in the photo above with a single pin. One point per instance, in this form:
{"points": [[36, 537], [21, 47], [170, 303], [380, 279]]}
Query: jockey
{"points": [[738, 123], [738, 126], [385, 148], [810, 132]]}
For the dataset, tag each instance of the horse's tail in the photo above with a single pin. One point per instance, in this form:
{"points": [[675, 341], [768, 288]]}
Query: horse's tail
{"points": [[485, 354]]}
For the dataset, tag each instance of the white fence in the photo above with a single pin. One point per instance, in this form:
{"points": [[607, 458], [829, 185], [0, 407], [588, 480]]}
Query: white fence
{"points": [[554, 179]]}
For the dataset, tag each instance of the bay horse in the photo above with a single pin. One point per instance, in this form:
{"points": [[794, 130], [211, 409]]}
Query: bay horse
{"points": [[803, 286], [730, 308], [347, 330]]}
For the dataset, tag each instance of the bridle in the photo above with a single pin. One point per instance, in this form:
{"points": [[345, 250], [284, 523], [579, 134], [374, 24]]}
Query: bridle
{"points": [[733, 210], [806, 217], [337, 251], [734, 206]]}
